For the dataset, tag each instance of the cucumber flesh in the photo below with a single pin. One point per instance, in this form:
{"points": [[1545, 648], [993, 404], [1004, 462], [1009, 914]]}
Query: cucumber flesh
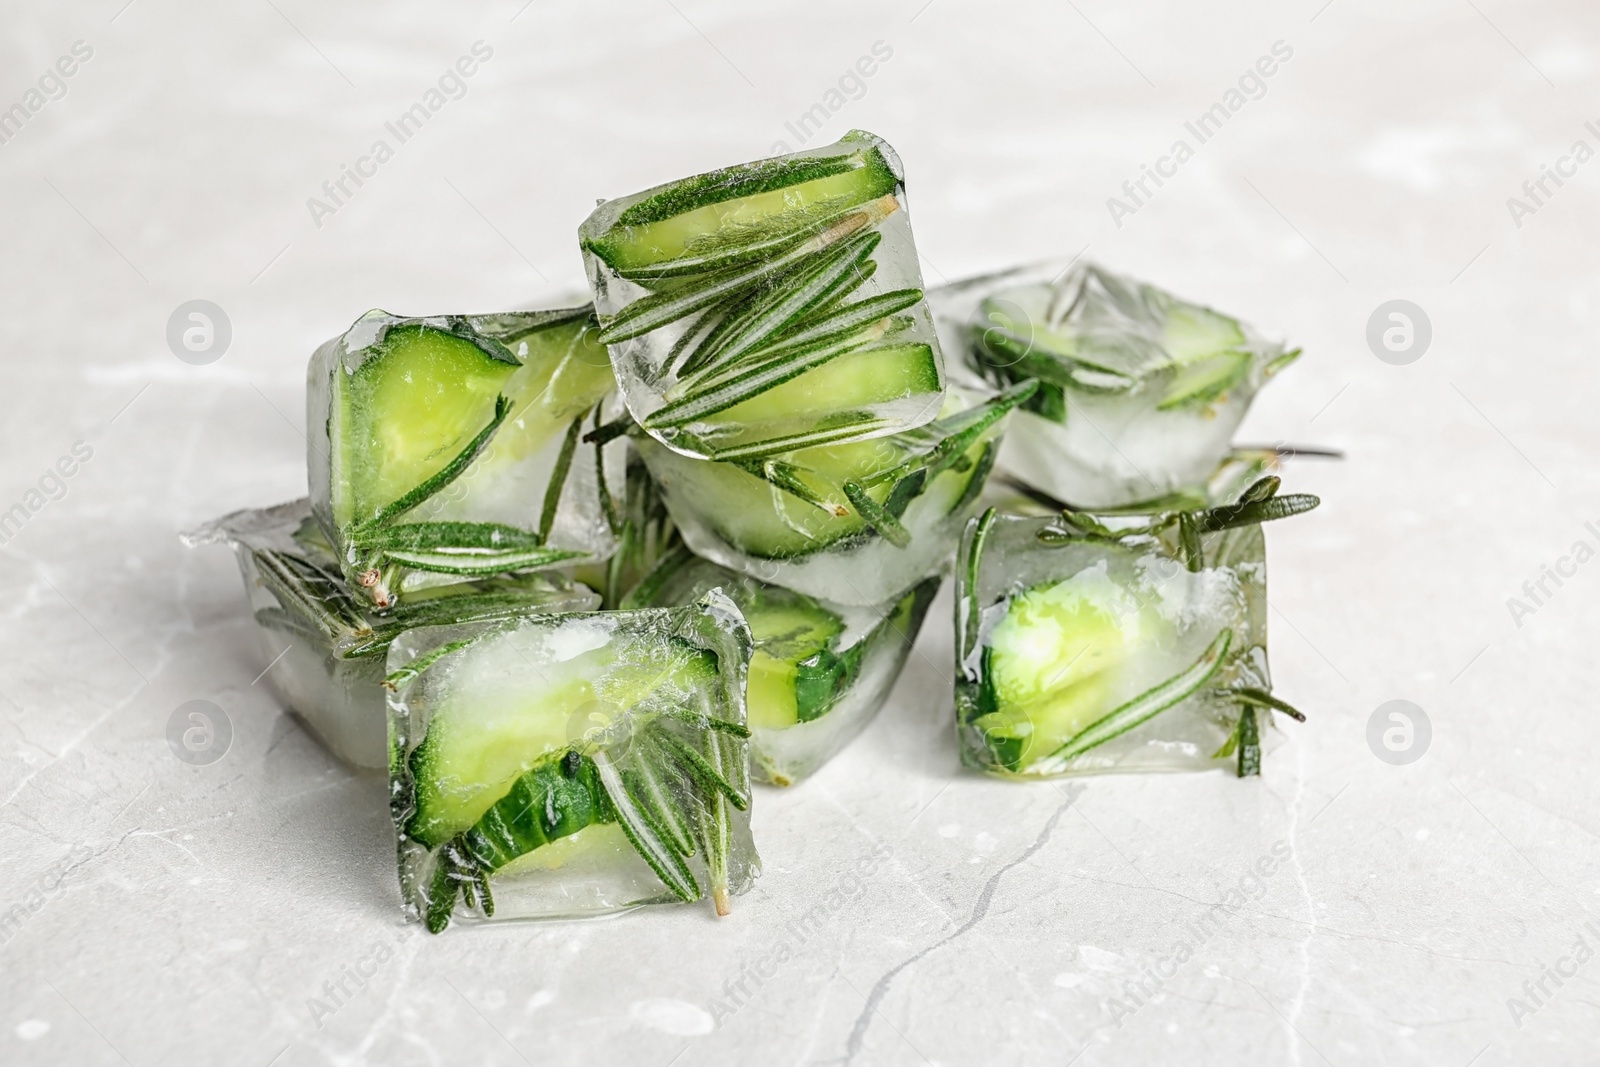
{"points": [[406, 412], [794, 674], [1192, 333], [856, 380], [424, 393], [489, 728], [693, 224], [1052, 661], [1204, 380]]}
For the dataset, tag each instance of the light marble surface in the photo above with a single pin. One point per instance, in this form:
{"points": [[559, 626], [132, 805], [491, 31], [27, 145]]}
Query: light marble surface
{"points": [[202, 907]]}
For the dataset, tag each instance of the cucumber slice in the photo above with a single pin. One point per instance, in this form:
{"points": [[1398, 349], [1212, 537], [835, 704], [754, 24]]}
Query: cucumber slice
{"points": [[851, 381], [489, 729], [729, 216], [794, 675], [1051, 663], [418, 399], [422, 393], [1205, 380], [1205, 348], [1191, 332]]}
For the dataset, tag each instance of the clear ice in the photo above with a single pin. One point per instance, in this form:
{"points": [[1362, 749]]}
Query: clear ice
{"points": [[1140, 392]]}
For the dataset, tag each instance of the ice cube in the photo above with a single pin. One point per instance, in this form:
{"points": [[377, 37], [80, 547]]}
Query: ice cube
{"points": [[447, 448], [856, 523], [768, 306], [325, 643], [1132, 643], [820, 670], [569, 765], [1140, 392]]}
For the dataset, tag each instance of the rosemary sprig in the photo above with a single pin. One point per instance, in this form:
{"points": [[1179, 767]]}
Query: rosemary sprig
{"points": [[785, 304], [427, 536], [1249, 743], [876, 516], [478, 563], [1263, 699], [835, 323], [845, 427]]}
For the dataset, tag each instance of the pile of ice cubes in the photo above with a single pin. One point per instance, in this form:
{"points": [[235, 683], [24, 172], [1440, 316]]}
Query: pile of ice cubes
{"points": [[573, 577]]}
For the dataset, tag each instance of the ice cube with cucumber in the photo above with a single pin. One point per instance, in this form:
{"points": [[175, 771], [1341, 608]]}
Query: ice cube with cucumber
{"points": [[325, 643], [565, 765], [768, 306], [820, 670], [448, 448], [1133, 642], [1140, 392], [856, 523]]}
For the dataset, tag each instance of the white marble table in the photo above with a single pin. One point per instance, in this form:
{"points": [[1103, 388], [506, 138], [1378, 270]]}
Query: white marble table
{"points": [[179, 914]]}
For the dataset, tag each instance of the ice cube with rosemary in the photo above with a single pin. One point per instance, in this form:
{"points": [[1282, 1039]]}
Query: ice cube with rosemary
{"points": [[820, 671], [447, 448], [1140, 392], [768, 306], [857, 523], [325, 644], [1092, 644], [574, 764]]}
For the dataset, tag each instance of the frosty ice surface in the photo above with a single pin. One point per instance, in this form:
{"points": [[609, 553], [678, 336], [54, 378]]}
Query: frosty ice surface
{"points": [[768, 306], [1134, 643], [820, 670], [325, 642], [855, 523], [1140, 392], [448, 448], [572, 764]]}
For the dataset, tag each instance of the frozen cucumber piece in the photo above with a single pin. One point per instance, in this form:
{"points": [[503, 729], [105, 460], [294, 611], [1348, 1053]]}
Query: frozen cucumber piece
{"points": [[526, 747], [711, 220], [1130, 642], [447, 448], [767, 307]]}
